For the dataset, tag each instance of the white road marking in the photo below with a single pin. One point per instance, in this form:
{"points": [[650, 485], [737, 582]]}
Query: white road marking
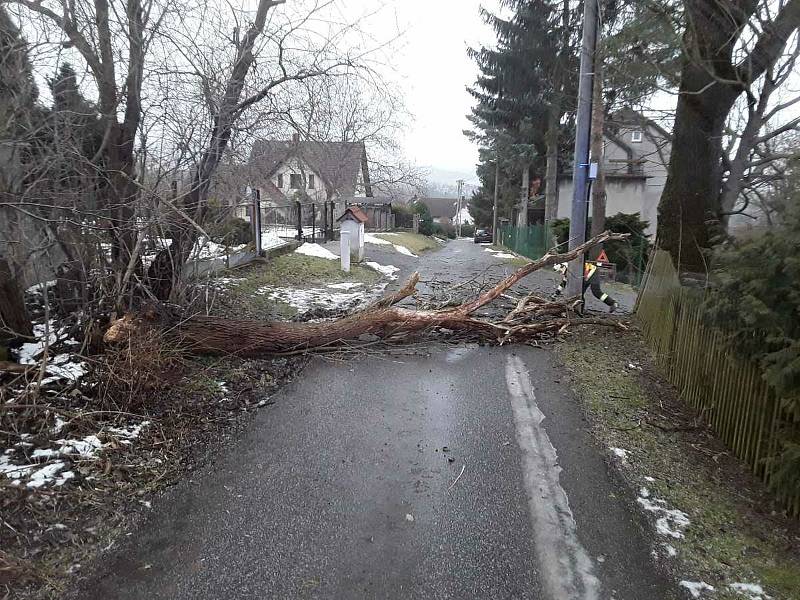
{"points": [[568, 571]]}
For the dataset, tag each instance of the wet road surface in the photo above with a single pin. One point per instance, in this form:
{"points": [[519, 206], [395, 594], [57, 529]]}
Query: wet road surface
{"points": [[467, 472]]}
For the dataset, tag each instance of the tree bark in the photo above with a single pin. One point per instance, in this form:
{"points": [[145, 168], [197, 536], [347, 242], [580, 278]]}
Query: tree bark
{"points": [[522, 214], [596, 149], [14, 319], [551, 169]]}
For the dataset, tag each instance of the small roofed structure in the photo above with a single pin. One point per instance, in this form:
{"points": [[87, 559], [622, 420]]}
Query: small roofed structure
{"points": [[352, 224]]}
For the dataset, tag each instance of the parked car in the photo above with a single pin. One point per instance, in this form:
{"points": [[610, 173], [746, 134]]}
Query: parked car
{"points": [[483, 236]]}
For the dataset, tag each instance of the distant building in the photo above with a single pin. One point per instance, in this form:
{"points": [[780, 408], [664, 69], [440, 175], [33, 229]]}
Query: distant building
{"points": [[444, 211], [636, 153]]}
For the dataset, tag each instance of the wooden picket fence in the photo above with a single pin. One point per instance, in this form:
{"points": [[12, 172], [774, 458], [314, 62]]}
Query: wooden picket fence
{"points": [[729, 394]]}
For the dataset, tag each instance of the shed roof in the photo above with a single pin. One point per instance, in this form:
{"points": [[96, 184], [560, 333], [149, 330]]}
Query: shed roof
{"points": [[354, 212]]}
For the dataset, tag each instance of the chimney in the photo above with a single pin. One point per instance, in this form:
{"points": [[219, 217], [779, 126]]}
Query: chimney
{"points": [[295, 137]]}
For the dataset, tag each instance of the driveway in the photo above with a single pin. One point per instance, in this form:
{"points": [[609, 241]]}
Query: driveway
{"points": [[462, 472]]}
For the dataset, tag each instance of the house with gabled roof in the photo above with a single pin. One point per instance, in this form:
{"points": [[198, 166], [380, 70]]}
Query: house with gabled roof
{"points": [[309, 171], [636, 153]]}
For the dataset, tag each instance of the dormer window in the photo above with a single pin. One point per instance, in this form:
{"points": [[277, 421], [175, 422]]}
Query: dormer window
{"points": [[311, 181], [280, 181], [295, 181], [636, 136]]}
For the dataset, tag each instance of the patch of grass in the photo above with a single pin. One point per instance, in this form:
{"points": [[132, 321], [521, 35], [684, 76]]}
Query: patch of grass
{"points": [[298, 270], [734, 537], [519, 261], [416, 242], [248, 298]]}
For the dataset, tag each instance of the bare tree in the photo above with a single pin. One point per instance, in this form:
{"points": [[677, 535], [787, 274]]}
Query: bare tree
{"points": [[728, 47]]}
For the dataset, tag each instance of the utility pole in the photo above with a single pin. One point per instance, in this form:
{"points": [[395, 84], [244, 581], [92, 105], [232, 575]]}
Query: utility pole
{"points": [[494, 205], [460, 183], [580, 165]]}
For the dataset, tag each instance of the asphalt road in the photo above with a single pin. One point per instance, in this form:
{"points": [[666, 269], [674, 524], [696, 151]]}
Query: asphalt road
{"points": [[467, 472]]}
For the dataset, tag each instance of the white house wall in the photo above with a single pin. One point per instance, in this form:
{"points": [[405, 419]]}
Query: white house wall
{"points": [[622, 196], [299, 167]]}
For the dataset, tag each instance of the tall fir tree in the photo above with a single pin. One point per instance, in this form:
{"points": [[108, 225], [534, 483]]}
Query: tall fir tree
{"points": [[521, 84]]}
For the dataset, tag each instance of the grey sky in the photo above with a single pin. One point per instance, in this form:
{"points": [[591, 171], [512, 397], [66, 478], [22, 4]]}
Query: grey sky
{"points": [[433, 68]]}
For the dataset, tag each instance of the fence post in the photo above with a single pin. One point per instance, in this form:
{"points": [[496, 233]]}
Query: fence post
{"points": [[325, 236], [313, 223], [299, 220], [256, 220], [415, 224]]}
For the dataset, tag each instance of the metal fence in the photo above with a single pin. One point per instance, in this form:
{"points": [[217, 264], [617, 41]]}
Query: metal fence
{"points": [[730, 394], [311, 222], [530, 241]]}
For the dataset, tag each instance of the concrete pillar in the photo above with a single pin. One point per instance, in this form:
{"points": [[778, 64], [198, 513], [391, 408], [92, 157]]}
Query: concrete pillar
{"points": [[345, 250]]}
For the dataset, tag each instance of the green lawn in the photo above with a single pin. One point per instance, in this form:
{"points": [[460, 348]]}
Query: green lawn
{"points": [[416, 242]]}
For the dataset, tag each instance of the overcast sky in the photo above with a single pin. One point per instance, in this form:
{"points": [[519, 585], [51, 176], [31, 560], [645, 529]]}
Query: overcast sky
{"points": [[434, 70]]}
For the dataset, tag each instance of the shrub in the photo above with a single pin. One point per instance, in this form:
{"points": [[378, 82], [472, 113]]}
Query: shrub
{"points": [[444, 230], [755, 300], [630, 256], [467, 229], [231, 232]]}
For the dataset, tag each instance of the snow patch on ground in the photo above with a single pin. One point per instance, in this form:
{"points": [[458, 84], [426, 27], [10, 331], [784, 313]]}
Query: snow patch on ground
{"points": [[620, 453], [61, 366], [205, 248], [305, 300], [38, 288], [275, 238], [753, 591], [696, 588], [387, 270], [670, 522], [222, 283], [46, 334], [310, 249], [373, 239], [45, 475], [670, 550], [499, 253], [404, 250], [39, 474], [347, 285], [127, 434]]}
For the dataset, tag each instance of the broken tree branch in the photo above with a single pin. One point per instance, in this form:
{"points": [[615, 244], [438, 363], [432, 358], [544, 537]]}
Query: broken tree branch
{"points": [[533, 317]]}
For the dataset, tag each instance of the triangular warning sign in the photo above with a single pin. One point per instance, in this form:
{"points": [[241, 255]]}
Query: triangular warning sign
{"points": [[603, 257]]}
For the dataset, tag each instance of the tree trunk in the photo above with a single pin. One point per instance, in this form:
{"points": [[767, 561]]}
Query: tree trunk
{"points": [[691, 192], [14, 319], [522, 215], [167, 267], [596, 149], [551, 170], [710, 84]]}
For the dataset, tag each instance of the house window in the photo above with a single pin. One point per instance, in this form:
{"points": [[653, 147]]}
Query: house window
{"points": [[295, 181], [311, 182], [636, 135], [280, 181]]}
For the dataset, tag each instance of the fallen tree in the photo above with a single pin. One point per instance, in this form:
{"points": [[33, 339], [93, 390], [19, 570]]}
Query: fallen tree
{"points": [[532, 317]]}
